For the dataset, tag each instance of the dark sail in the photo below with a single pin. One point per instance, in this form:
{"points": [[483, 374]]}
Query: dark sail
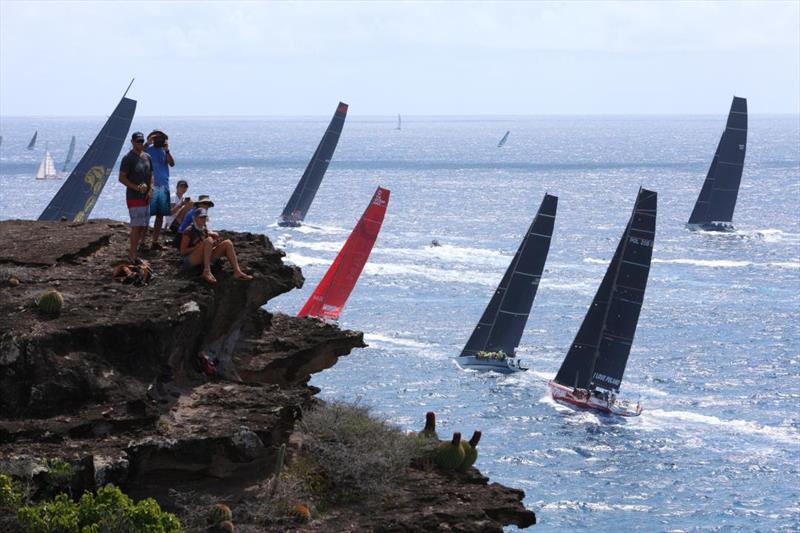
{"points": [[717, 198], [76, 198], [32, 144], [599, 353], [503, 140], [70, 153], [297, 207], [502, 324]]}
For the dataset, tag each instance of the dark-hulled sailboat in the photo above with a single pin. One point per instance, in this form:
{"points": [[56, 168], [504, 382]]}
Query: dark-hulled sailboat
{"points": [[70, 153], [76, 198], [295, 211], [591, 374], [713, 210], [493, 343], [32, 144]]}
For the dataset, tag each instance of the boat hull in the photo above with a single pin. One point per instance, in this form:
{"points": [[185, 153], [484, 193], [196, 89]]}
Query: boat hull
{"points": [[289, 224], [722, 227], [581, 399], [501, 366]]}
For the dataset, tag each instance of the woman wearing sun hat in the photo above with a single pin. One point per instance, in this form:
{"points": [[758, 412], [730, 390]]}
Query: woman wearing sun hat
{"points": [[201, 246]]}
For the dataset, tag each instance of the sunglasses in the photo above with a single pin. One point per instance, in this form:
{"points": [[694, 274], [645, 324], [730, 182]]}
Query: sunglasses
{"points": [[138, 141]]}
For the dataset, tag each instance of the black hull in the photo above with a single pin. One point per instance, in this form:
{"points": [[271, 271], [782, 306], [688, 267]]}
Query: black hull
{"points": [[289, 224], [709, 226]]}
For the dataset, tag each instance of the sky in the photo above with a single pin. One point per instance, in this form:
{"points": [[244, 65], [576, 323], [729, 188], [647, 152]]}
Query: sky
{"points": [[209, 58]]}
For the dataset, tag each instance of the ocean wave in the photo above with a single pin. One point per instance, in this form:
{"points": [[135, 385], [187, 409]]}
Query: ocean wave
{"points": [[780, 434], [377, 339], [433, 274], [712, 263], [304, 260], [595, 506]]}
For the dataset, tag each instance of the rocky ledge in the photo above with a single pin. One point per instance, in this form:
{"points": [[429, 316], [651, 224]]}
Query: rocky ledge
{"points": [[74, 387]]}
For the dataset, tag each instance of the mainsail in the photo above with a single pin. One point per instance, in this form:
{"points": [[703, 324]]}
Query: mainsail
{"points": [[76, 198], [503, 140], [329, 297], [47, 168], [503, 322], [599, 353], [717, 198], [32, 144], [297, 207], [70, 153], [399, 123]]}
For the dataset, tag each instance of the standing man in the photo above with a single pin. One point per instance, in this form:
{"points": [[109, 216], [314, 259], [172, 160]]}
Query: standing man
{"points": [[136, 174], [158, 149]]}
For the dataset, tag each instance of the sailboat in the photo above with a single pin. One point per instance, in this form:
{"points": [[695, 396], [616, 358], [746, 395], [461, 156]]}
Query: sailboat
{"points": [[47, 168], [591, 374], [297, 207], [77, 196], [70, 153], [493, 343], [713, 210], [32, 144], [328, 299], [503, 140], [399, 123]]}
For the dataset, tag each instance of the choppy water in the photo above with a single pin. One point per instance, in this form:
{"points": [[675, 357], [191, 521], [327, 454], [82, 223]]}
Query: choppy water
{"points": [[716, 359]]}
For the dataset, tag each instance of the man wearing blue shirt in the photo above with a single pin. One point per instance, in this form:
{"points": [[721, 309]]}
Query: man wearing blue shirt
{"points": [[158, 149]]}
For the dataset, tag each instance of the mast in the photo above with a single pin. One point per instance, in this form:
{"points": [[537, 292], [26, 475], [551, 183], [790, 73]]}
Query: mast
{"points": [[599, 354], [32, 144], [329, 297], [503, 140], [300, 201], [503, 322], [70, 153], [76, 198], [717, 198]]}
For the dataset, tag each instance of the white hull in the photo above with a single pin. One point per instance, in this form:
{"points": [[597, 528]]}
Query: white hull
{"points": [[483, 364], [582, 399]]}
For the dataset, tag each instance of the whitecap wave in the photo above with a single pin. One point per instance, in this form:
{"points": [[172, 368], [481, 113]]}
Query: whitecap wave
{"points": [[377, 339], [304, 260], [433, 274], [781, 434], [711, 263]]}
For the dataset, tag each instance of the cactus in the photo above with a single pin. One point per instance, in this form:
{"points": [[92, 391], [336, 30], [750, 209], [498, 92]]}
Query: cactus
{"points": [[429, 430], [226, 526], [276, 476], [450, 455], [218, 514], [470, 451], [301, 513], [50, 302]]}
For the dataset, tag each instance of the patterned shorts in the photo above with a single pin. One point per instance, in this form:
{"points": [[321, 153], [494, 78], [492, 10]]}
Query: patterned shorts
{"points": [[159, 203], [140, 216]]}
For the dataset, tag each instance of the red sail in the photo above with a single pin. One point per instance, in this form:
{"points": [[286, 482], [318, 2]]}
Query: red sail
{"points": [[332, 292]]}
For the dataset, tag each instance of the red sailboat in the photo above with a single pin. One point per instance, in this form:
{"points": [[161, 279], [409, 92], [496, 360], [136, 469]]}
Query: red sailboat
{"points": [[328, 299]]}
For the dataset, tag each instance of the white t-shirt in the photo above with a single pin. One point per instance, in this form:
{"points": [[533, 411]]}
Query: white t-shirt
{"points": [[173, 201]]}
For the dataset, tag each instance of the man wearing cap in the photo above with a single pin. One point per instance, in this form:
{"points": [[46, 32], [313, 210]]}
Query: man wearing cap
{"points": [[178, 206], [136, 174], [158, 150]]}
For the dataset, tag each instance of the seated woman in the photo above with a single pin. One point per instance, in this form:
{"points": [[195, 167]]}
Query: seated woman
{"points": [[199, 246]]}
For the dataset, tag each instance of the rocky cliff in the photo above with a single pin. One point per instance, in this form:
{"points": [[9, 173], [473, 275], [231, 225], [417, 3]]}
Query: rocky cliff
{"points": [[74, 387]]}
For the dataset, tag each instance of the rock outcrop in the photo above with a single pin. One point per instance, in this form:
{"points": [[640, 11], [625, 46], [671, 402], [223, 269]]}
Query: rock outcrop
{"points": [[74, 387]]}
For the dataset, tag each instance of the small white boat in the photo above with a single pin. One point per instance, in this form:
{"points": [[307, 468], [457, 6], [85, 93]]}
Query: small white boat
{"points": [[47, 168]]}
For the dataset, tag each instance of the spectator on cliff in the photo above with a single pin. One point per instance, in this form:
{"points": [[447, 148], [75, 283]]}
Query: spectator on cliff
{"points": [[136, 174], [158, 149], [201, 246], [179, 205], [203, 201]]}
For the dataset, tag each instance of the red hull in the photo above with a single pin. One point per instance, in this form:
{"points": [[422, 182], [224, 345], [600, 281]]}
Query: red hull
{"points": [[328, 299], [583, 400]]}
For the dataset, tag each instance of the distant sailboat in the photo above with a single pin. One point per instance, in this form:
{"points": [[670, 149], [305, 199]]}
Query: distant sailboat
{"points": [[70, 153], [77, 196], [328, 299], [295, 211], [503, 140], [32, 144], [591, 374], [713, 210], [47, 168], [399, 123], [493, 343]]}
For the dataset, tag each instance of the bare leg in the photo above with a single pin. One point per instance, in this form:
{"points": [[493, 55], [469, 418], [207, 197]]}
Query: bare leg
{"points": [[207, 249], [157, 228], [226, 248], [136, 236]]}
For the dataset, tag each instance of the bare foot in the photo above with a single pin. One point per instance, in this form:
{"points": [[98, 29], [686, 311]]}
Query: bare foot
{"points": [[242, 276], [209, 277]]}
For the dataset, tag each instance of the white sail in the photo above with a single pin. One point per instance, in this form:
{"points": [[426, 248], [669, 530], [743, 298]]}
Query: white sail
{"points": [[47, 168]]}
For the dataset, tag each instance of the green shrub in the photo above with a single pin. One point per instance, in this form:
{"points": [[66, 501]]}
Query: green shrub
{"points": [[109, 510], [10, 495]]}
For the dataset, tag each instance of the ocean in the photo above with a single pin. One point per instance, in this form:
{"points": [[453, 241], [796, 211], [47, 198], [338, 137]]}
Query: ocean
{"points": [[716, 359]]}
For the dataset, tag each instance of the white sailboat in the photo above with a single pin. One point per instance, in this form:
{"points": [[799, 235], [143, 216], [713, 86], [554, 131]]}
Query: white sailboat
{"points": [[399, 123], [47, 168]]}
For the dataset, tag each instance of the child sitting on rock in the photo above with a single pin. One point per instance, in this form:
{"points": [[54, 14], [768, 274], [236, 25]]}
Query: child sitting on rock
{"points": [[199, 246]]}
